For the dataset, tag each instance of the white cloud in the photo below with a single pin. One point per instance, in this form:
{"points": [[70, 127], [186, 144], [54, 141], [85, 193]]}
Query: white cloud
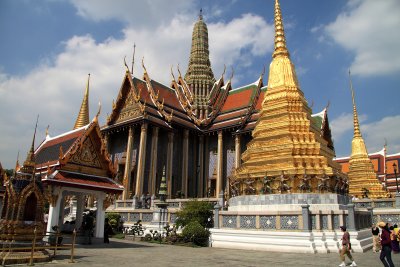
{"points": [[343, 124], [54, 89], [370, 29], [138, 13], [376, 132]]}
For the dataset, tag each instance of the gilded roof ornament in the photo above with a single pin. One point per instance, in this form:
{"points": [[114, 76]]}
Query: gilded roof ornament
{"points": [[83, 115], [357, 132], [126, 65], [145, 71], [96, 118]]}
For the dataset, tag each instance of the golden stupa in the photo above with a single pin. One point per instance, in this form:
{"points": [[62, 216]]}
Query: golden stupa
{"points": [[83, 115], [287, 152], [363, 180]]}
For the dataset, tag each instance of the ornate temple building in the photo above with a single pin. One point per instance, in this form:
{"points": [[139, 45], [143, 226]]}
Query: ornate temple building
{"points": [[76, 164], [198, 126]]}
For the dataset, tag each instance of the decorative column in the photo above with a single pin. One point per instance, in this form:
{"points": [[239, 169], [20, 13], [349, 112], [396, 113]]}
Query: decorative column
{"points": [[54, 211], [200, 182], [219, 166], [305, 212], [80, 203], [141, 161], [352, 218], [153, 163], [185, 162], [100, 216], [128, 164], [237, 151], [170, 154]]}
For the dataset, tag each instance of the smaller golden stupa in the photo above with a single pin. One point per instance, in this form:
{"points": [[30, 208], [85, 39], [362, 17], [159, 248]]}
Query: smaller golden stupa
{"points": [[363, 180]]}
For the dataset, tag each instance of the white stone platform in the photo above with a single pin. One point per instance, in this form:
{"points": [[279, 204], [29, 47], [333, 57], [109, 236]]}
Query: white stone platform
{"points": [[288, 241]]}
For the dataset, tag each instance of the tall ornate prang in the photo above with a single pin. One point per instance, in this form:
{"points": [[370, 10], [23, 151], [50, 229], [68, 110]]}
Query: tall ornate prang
{"points": [[362, 177], [83, 116], [285, 141], [199, 75]]}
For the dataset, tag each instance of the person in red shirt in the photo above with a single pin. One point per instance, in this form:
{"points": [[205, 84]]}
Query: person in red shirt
{"points": [[386, 243], [346, 248]]}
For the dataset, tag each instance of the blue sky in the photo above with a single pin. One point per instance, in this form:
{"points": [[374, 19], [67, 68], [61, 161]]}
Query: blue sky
{"points": [[48, 47]]}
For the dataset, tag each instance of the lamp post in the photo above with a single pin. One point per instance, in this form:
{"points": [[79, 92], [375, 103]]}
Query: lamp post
{"points": [[395, 176]]}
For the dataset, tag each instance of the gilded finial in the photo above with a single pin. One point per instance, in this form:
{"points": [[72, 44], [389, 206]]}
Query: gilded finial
{"points": [[327, 105], [201, 14], [30, 158], [83, 115], [357, 132], [172, 74], [47, 131], [145, 71], [263, 72], [96, 118], [280, 40], [179, 71], [233, 71], [223, 73], [126, 65], [61, 153]]}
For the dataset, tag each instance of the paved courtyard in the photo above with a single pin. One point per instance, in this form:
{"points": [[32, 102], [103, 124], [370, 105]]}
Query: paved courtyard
{"points": [[135, 253]]}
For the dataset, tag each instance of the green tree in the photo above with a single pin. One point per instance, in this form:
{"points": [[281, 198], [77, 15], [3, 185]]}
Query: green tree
{"points": [[195, 211]]}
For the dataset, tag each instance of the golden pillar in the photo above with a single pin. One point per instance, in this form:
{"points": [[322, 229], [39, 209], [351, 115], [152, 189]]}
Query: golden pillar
{"points": [[237, 151], [185, 162], [170, 155], [141, 161], [200, 182], [128, 164], [153, 163], [219, 164]]}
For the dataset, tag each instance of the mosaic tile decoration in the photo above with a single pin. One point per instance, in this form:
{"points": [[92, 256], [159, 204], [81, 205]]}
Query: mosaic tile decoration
{"points": [[289, 222], [391, 218], [134, 217], [147, 217], [324, 222], [375, 219], [384, 204], [363, 204], [124, 216], [128, 204], [229, 221], [230, 162], [346, 220], [173, 217], [313, 222], [120, 204], [268, 222], [248, 222], [336, 222]]}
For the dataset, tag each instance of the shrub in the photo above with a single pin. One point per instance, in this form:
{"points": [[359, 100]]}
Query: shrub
{"points": [[196, 233], [114, 219], [195, 211]]}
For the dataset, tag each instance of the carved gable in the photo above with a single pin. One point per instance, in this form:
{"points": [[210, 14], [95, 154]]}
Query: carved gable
{"points": [[87, 155], [130, 109]]}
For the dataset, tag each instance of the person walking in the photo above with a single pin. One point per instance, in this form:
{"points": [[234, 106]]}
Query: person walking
{"points": [[394, 241], [386, 252], [375, 238], [107, 231], [346, 248]]}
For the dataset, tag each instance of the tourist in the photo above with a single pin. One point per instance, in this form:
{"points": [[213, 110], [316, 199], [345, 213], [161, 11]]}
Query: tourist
{"points": [[346, 248], [107, 231], [386, 244], [375, 238], [393, 239], [87, 227]]}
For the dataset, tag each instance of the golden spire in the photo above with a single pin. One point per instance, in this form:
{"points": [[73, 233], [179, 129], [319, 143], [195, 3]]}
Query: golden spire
{"points": [[280, 41], [83, 116], [361, 171], [29, 163], [357, 132]]}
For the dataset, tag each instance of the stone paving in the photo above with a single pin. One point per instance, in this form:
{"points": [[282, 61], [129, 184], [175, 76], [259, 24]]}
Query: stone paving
{"points": [[136, 253]]}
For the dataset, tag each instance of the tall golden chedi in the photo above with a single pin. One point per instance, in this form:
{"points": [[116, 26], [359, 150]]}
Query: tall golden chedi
{"points": [[199, 75], [361, 174], [287, 149]]}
